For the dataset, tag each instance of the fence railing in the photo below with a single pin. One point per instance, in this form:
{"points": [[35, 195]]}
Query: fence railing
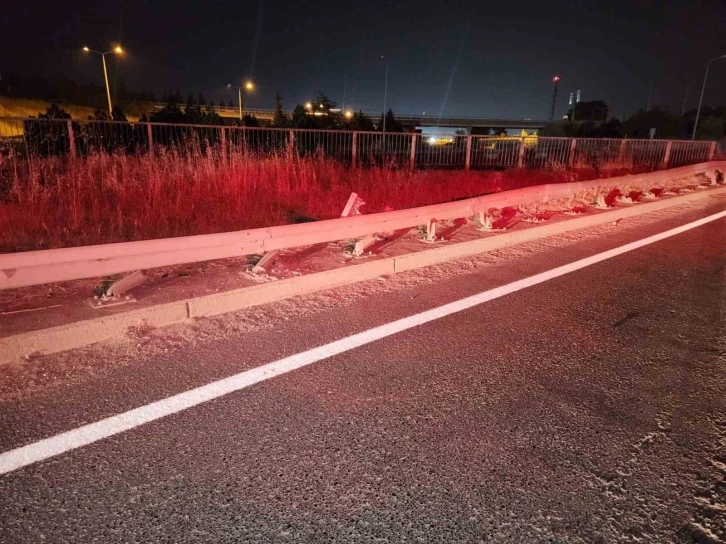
{"points": [[30, 139]]}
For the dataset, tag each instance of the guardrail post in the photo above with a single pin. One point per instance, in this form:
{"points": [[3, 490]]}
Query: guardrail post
{"points": [[71, 139], [711, 151], [412, 158], [223, 144], [354, 150], [150, 137], [467, 162], [667, 154], [571, 158], [520, 159]]}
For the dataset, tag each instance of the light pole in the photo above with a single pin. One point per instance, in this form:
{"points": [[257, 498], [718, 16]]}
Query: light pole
{"points": [[556, 81], [385, 98], [248, 86], [117, 50], [700, 100]]}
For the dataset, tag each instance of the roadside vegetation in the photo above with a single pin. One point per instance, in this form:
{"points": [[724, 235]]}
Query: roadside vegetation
{"points": [[56, 202]]}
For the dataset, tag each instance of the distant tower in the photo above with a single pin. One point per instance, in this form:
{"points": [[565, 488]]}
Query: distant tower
{"points": [[556, 81]]}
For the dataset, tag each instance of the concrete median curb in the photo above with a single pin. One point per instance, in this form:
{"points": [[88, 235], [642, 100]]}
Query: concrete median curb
{"points": [[83, 333]]}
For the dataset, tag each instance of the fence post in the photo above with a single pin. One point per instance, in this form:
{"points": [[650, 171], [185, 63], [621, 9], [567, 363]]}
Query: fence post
{"points": [[71, 139], [412, 158], [571, 158], [354, 150], [467, 162], [621, 151], [667, 154], [150, 137], [711, 151], [291, 143], [520, 159], [223, 144]]}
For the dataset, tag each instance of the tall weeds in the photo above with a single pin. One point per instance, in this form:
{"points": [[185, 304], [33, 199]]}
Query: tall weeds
{"points": [[54, 202]]}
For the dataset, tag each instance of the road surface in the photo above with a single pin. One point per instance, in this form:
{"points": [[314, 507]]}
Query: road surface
{"points": [[590, 408]]}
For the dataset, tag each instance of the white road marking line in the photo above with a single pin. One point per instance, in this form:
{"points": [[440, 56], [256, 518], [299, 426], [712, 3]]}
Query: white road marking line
{"points": [[93, 432]]}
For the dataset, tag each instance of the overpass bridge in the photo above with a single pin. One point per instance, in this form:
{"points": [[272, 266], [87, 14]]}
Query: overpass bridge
{"points": [[410, 122]]}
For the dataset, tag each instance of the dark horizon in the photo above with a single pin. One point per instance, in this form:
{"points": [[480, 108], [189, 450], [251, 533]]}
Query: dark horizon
{"points": [[621, 53]]}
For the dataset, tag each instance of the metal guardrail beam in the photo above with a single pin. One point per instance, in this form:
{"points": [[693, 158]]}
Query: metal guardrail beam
{"points": [[56, 265]]}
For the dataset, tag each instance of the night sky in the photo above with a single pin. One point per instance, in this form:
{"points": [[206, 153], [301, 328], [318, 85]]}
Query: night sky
{"points": [[615, 50]]}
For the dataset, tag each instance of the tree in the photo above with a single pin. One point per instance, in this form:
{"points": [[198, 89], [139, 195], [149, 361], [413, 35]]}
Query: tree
{"points": [[594, 110], [666, 124], [231, 103], [392, 125], [360, 121], [279, 119], [301, 118], [118, 114], [324, 104], [54, 111], [250, 121], [200, 100], [170, 113]]}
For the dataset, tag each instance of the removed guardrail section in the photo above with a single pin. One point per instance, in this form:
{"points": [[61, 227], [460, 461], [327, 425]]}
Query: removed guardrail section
{"points": [[56, 265]]}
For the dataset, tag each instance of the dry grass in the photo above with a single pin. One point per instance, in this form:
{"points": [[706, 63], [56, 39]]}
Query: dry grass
{"points": [[53, 203]]}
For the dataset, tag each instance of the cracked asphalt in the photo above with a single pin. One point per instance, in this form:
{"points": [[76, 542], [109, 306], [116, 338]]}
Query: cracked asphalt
{"points": [[587, 409]]}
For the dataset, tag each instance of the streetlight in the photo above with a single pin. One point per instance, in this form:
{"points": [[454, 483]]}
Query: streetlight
{"points": [[248, 86], [700, 101], [556, 81], [348, 114], [118, 51], [385, 98]]}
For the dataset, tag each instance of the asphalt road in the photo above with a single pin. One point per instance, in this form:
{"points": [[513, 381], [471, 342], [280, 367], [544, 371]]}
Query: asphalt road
{"points": [[590, 408]]}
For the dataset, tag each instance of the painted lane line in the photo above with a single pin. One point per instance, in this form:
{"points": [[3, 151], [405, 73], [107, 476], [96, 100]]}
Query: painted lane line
{"points": [[93, 432]]}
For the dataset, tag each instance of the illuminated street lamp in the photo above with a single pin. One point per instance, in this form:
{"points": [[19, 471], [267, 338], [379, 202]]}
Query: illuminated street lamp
{"points": [[308, 105], [249, 86], [118, 51], [700, 101], [348, 114]]}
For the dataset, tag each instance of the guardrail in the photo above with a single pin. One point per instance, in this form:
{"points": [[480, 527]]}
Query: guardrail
{"points": [[28, 139], [56, 265]]}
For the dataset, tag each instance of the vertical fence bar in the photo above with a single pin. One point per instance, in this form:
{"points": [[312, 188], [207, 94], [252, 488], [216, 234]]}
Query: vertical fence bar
{"points": [[71, 139], [520, 159], [354, 150], [412, 157], [291, 143], [621, 151], [223, 144], [150, 137], [711, 151], [667, 154], [571, 157], [467, 159]]}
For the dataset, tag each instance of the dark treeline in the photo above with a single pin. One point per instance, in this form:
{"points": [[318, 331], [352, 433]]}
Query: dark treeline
{"points": [[592, 120]]}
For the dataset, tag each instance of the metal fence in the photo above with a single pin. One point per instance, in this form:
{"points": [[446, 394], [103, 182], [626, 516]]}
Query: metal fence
{"points": [[31, 139]]}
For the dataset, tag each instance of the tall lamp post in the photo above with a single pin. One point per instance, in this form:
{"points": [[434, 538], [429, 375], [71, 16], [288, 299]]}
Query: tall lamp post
{"points": [[556, 81], [117, 50], [248, 86], [700, 100], [385, 98]]}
